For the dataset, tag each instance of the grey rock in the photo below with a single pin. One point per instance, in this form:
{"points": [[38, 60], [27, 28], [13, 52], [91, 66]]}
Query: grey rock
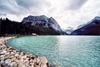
{"points": [[43, 65], [2, 62], [54, 24], [13, 64], [8, 61], [42, 21]]}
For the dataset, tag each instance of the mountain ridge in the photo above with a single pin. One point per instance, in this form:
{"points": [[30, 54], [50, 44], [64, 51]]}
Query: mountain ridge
{"points": [[91, 28], [43, 21]]}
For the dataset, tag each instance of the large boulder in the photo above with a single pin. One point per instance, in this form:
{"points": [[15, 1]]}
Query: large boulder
{"points": [[91, 28], [42, 21]]}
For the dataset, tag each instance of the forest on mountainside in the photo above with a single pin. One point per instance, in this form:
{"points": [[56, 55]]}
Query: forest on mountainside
{"points": [[8, 27]]}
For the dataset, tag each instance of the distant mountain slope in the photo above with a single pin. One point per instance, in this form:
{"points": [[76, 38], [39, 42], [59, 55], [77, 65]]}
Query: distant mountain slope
{"points": [[68, 30], [42, 21], [91, 28]]}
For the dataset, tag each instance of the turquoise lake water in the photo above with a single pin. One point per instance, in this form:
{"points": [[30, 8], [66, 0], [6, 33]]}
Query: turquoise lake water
{"points": [[65, 51]]}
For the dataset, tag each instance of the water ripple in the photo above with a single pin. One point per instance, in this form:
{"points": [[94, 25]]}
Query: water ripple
{"points": [[66, 51]]}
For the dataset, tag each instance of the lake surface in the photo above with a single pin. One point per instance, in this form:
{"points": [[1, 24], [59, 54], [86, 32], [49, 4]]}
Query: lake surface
{"points": [[65, 51]]}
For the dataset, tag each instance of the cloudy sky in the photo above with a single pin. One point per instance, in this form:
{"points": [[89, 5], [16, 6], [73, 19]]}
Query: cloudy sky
{"points": [[68, 13]]}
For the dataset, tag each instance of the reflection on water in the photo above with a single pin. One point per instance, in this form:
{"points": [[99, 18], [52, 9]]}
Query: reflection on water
{"points": [[66, 51]]}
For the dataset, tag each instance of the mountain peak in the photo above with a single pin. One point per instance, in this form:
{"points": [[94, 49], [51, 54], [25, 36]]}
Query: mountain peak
{"points": [[97, 18]]}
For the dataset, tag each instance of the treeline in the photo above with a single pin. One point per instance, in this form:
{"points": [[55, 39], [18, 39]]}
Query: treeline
{"points": [[8, 27]]}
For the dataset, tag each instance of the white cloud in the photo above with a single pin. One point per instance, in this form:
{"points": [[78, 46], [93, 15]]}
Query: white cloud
{"points": [[67, 12]]}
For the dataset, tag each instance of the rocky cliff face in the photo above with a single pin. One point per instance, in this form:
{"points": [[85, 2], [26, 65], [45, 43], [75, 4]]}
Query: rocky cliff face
{"points": [[91, 28], [42, 21]]}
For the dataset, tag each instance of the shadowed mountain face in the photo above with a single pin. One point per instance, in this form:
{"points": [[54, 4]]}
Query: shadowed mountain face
{"points": [[42, 21], [91, 28]]}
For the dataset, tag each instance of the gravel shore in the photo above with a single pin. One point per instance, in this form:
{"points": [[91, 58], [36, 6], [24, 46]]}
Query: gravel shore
{"points": [[9, 57]]}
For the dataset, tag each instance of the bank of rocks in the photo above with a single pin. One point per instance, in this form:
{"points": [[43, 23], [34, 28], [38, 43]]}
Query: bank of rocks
{"points": [[9, 57]]}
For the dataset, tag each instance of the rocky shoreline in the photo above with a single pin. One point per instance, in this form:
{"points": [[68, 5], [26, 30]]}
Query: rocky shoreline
{"points": [[10, 57]]}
